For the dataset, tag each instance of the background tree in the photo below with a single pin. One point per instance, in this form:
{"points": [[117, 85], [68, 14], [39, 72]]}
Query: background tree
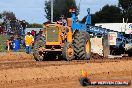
{"points": [[126, 6], [130, 15], [61, 7], [108, 14], [34, 25], [9, 15]]}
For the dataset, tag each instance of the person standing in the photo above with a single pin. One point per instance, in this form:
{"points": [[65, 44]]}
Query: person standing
{"points": [[28, 42], [9, 43]]}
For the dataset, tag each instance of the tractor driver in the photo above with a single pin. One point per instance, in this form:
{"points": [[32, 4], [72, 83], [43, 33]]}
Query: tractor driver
{"points": [[63, 22]]}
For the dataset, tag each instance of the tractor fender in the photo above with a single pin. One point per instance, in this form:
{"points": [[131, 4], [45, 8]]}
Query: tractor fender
{"points": [[69, 35]]}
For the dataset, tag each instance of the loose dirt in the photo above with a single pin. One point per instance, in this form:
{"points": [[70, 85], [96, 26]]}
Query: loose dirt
{"points": [[19, 70], [15, 56]]}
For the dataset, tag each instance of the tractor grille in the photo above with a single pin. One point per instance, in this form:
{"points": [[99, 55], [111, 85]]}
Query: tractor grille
{"points": [[52, 34]]}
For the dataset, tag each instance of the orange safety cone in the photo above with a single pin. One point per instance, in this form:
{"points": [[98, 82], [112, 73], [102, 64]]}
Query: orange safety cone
{"points": [[84, 73], [84, 81]]}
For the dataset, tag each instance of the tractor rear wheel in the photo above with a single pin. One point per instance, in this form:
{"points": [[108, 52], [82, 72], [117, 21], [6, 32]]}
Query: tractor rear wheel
{"points": [[82, 45], [38, 49], [68, 51]]}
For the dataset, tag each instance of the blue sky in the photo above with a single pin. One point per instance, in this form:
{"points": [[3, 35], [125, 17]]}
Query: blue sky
{"points": [[33, 10]]}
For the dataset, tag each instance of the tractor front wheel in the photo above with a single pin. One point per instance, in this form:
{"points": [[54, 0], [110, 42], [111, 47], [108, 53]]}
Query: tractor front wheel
{"points": [[68, 51], [38, 49]]}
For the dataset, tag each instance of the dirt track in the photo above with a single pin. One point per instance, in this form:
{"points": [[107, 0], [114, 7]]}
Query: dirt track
{"points": [[26, 73]]}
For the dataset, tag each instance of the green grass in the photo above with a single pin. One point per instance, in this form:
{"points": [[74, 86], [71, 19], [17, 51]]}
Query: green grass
{"points": [[3, 39]]}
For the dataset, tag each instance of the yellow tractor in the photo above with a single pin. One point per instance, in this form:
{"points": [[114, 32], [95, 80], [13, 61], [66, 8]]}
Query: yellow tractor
{"points": [[73, 44]]}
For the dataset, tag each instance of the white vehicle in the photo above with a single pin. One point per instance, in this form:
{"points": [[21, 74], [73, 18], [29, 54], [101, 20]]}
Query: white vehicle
{"points": [[120, 38], [119, 27]]}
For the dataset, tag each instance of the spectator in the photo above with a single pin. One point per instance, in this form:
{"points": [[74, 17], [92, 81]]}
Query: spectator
{"points": [[28, 42], [9, 43], [35, 36], [23, 43], [16, 43], [40, 32], [33, 33]]}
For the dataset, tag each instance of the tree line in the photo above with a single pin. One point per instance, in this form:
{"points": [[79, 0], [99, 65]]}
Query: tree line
{"points": [[11, 16], [114, 14], [108, 13]]}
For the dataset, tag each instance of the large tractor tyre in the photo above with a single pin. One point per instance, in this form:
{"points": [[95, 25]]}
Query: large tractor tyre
{"points": [[68, 51], [38, 48], [82, 45], [75, 44]]}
